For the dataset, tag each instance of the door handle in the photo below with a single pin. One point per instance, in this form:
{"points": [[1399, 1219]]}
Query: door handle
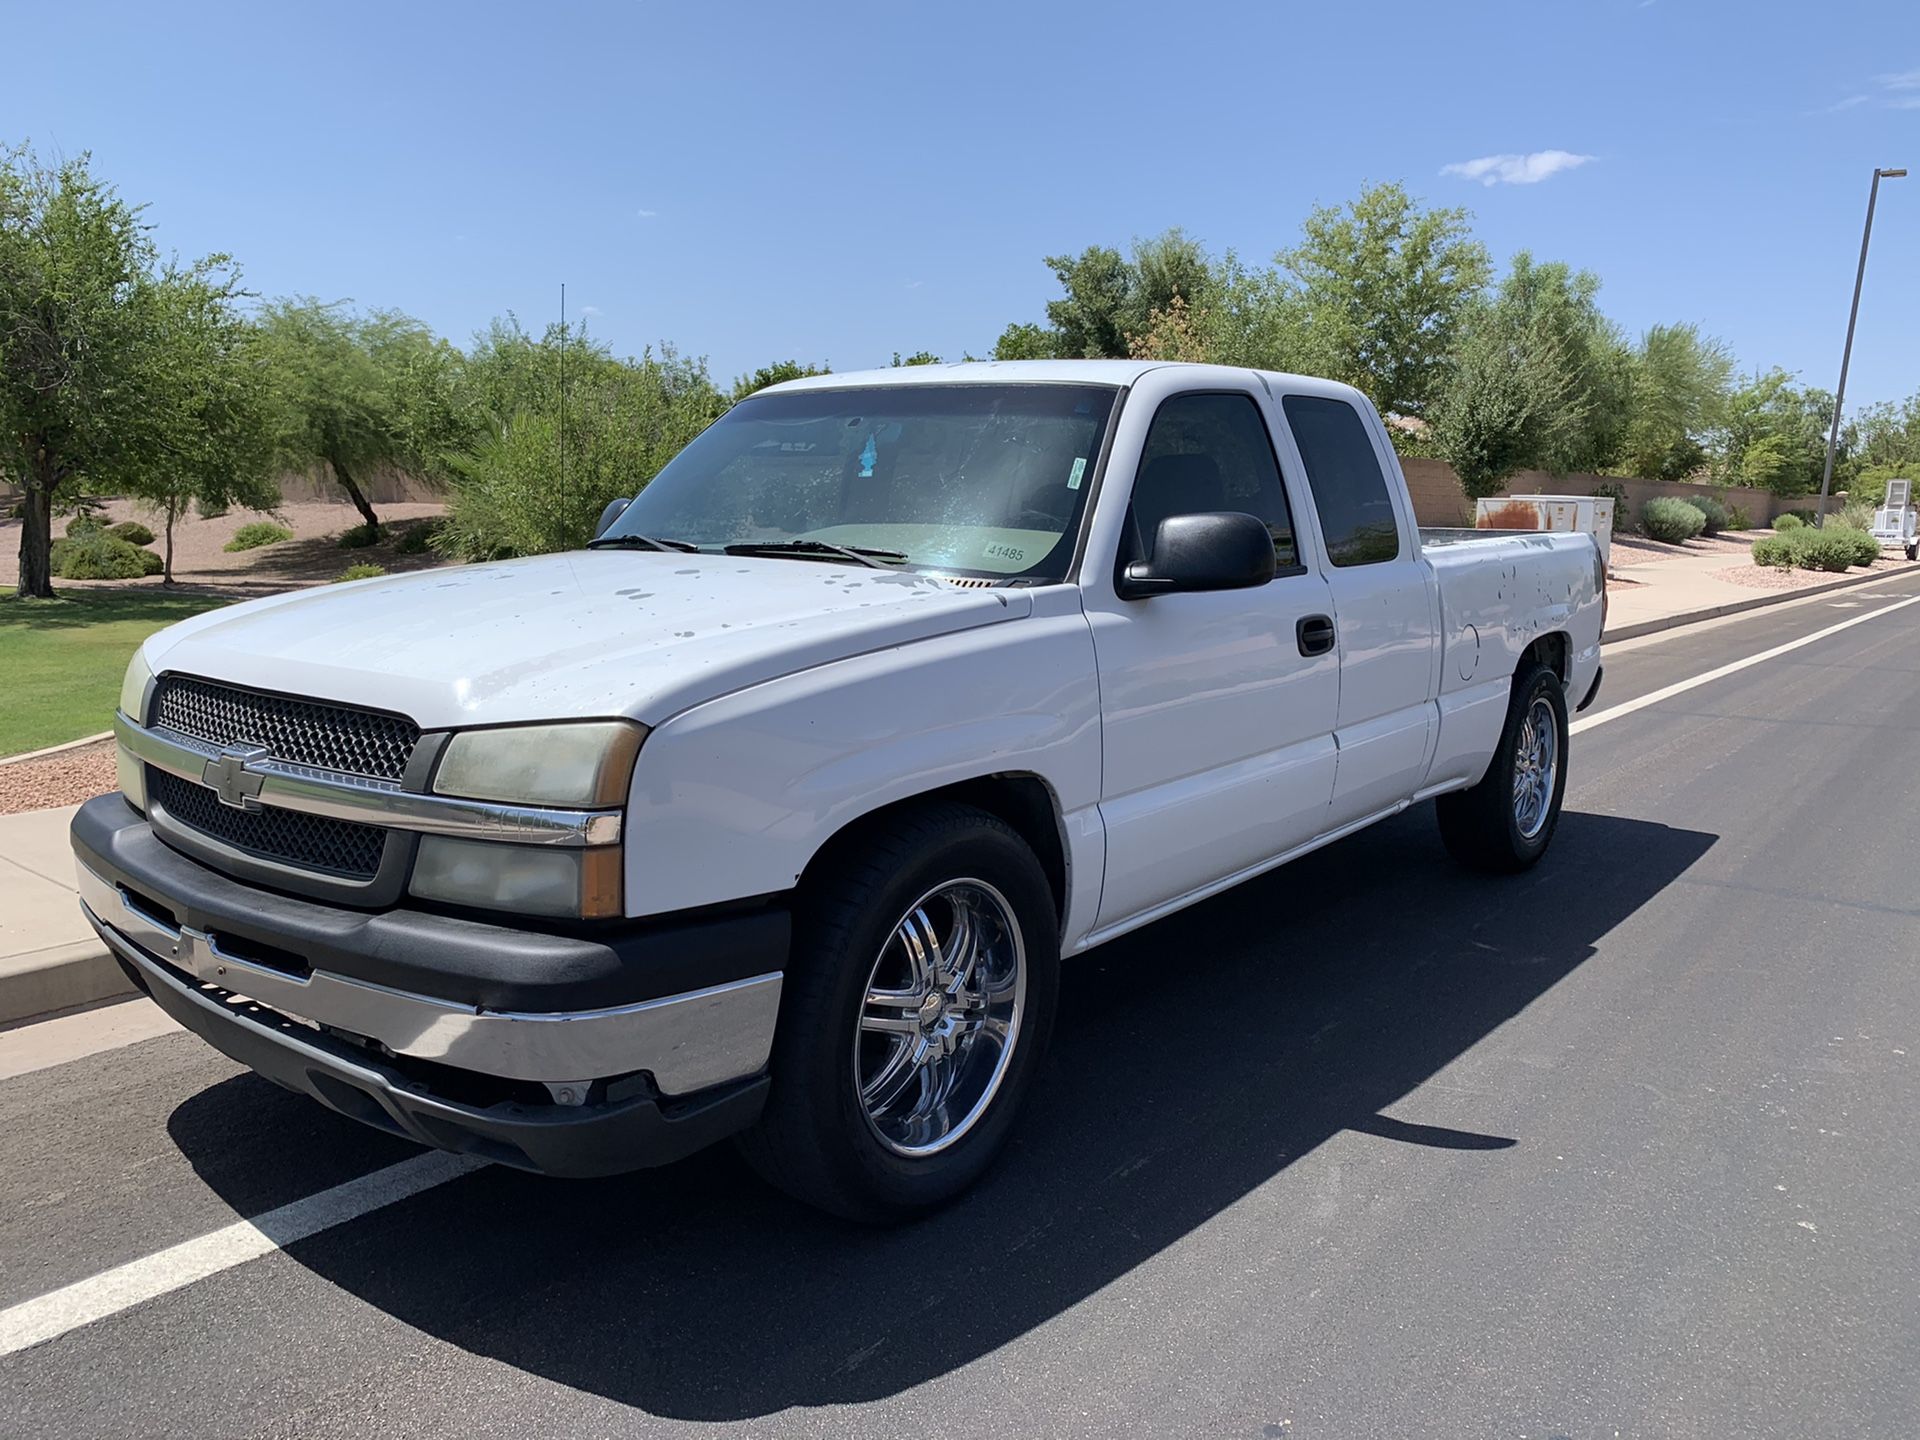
{"points": [[1315, 634]]}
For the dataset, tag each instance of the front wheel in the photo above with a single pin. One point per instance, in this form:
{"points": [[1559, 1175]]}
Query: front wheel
{"points": [[917, 1008], [1504, 823]]}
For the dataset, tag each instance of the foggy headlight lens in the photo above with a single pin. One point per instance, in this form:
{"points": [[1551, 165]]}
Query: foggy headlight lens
{"points": [[527, 880], [133, 689], [585, 764]]}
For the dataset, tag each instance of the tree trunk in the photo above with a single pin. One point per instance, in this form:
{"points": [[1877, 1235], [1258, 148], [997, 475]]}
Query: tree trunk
{"points": [[166, 575], [36, 535], [353, 494]]}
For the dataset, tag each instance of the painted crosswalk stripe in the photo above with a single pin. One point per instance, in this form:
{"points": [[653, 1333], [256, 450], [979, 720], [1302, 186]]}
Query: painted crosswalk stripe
{"points": [[33, 1322]]}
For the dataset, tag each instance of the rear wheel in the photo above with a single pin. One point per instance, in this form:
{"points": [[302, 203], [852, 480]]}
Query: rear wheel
{"points": [[1505, 823], [918, 1004]]}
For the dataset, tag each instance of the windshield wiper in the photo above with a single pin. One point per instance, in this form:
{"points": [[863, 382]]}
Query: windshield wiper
{"points": [[641, 542], [821, 549]]}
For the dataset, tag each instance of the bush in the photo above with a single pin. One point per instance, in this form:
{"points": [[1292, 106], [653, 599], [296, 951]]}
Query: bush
{"points": [[131, 531], [362, 572], [417, 539], [1674, 521], [359, 538], [208, 512], [93, 554], [1739, 518], [1713, 515], [1857, 515], [80, 524], [1776, 552], [1864, 548], [259, 532], [1829, 550], [1782, 524]]}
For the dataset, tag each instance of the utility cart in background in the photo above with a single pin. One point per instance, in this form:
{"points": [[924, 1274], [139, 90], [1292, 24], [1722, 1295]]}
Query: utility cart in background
{"points": [[1896, 524]]}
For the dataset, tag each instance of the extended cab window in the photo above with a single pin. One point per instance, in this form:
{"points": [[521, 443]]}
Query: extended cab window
{"points": [[1349, 490], [1211, 452]]}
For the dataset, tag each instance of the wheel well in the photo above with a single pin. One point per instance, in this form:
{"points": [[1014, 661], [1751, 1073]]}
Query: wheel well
{"points": [[1023, 801], [1550, 651]]}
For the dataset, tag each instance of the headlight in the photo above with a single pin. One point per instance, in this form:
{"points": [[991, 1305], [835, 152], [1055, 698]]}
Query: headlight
{"points": [[525, 879], [133, 689], [133, 697], [582, 764]]}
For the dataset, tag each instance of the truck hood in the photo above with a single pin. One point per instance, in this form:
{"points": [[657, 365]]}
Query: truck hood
{"points": [[586, 634]]}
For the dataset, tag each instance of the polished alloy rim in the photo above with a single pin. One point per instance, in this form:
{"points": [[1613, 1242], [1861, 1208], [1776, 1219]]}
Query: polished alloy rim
{"points": [[939, 1017], [1536, 765]]}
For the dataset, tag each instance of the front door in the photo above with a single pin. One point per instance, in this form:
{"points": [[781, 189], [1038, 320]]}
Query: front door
{"points": [[1218, 749]]}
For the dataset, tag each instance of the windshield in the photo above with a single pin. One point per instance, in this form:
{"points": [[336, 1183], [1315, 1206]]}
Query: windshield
{"points": [[970, 479]]}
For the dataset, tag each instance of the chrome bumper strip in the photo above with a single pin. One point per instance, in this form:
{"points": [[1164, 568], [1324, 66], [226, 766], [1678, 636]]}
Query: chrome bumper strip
{"points": [[371, 802], [687, 1042]]}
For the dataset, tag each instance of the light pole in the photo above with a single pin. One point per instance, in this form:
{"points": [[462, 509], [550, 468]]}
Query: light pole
{"points": [[1846, 355]]}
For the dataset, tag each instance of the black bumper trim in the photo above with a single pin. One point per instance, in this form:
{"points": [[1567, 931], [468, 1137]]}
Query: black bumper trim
{"points": [[465, 962], [1592, 690], [570, 1141]]}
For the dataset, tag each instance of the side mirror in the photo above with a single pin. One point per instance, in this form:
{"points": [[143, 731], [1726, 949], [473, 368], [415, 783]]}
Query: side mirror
{"points": [[615, 509], [1218, 550]]}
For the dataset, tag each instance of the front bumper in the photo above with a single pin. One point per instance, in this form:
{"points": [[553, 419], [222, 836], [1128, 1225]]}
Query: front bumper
{"points": [[298, 992]]}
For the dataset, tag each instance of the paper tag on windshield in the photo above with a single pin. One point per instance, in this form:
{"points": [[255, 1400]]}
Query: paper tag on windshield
{"points": [[1079, 469]]}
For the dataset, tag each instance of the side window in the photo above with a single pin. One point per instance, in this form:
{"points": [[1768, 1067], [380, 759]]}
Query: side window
{"points": [[1211, 452], [1349, 491]]}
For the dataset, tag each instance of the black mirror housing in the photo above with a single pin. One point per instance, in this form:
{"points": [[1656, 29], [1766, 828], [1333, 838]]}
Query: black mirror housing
{"points": [[1213, 550], [613, 511]]}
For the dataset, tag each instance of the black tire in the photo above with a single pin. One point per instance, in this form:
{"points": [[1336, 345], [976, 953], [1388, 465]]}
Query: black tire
{"points": [[1480, 825], [814, 1139]]}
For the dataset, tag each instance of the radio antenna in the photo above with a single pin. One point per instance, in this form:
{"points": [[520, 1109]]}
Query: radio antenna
{"points": [[563, 397]]}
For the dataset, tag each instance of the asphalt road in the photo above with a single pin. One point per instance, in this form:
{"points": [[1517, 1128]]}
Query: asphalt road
{"points": [[1369, 1147]]}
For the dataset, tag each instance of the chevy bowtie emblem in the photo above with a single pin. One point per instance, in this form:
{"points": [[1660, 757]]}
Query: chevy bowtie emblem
{"points": [[229, 778]]}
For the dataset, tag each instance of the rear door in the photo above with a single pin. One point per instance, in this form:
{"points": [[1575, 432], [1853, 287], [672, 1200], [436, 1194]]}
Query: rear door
{"points": [[1218, 746], [1385, 606]]}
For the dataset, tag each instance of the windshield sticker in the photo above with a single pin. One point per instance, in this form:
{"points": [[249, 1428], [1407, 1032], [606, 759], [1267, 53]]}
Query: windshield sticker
{"points": [[867, 457], [1079, 469]]}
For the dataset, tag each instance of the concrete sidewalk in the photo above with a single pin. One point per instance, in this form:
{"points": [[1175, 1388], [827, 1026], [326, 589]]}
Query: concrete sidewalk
{"points": [[50, 958], [1685, 589]]}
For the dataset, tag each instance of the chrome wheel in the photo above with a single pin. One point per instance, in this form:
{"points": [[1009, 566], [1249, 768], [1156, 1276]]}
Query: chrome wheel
{"points": [[1536, 767], [940, 1016]]}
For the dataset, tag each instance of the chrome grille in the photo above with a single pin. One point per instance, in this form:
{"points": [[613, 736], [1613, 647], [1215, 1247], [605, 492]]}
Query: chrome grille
{"points": [[306, 732], [312, 842]]}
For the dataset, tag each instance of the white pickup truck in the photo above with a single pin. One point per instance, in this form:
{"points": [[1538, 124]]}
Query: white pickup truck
{"points": [[773, 812]]}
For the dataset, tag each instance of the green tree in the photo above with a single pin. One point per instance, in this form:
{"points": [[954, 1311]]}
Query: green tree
{"points": [[1560, 308], [1383, 289], [1774, 434], [78, 346], [1110, 298], [919, 357], [356, 392], [775, 374], [1508, 387], [206, 402], [1678, 388], [1023, 340]]}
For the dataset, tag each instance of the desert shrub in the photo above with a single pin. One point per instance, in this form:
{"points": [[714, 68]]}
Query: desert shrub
{"points": [[1674, 521], [131, 531], [1828, 550], [1776, 552], [257, 533], [1857, 515], [82, 523], [417, 539], [359, 538], [1739, 518], [362, 571], [1864, 549], [93, 554], [209, 510], [1782, 524], [1713, 514]]}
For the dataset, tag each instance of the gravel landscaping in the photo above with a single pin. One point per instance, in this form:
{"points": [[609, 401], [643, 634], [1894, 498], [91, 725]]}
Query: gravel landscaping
{"points": [[63, 779]]}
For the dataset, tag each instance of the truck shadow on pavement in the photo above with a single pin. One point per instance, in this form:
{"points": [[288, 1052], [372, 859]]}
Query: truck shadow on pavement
{"points": [[1194, 1061]]}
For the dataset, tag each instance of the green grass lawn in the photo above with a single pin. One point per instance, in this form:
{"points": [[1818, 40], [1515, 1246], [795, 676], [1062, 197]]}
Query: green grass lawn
{"points": [[61, 660]]}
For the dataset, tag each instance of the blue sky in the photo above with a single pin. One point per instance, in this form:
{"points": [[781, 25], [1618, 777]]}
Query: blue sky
{"points": [[837, 181]]}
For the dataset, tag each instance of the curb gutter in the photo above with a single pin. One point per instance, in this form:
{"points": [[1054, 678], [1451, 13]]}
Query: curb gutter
{"points": [[1735, 607], [61, 978], [56, 749]]}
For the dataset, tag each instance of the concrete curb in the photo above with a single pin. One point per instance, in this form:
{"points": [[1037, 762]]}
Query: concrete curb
{"points": [[56, 749], [1735, 607], [61, 978]]}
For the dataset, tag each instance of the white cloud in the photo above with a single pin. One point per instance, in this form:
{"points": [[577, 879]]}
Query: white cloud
{"points": [[646, 214], [1906, 80], [587, 312], [1516, 169], [1849, 102]]}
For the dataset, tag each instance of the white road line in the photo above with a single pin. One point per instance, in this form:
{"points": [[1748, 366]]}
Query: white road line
{"points": [[32, 1322], [1680, 687]]}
